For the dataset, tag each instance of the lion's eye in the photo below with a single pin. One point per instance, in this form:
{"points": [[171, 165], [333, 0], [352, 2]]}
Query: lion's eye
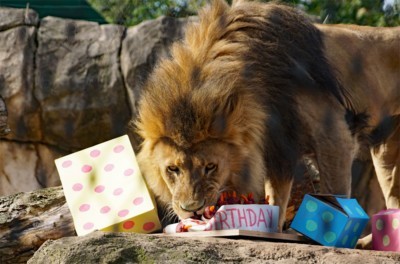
{"points": [[210, 167], [173, 169]]}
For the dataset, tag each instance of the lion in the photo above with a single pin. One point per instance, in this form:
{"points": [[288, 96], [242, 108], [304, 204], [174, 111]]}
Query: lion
{"points": [[252, 90]]}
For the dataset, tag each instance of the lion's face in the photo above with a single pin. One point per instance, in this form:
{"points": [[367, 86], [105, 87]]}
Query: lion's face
{"points": [[194, 176]]}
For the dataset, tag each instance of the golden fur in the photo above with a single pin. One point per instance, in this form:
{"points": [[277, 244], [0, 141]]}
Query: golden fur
{"points": [[244, 97]]}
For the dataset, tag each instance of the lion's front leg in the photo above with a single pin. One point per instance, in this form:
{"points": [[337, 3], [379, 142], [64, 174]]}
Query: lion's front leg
{"points": [[335, 149], [279, 194], [386, 159]]}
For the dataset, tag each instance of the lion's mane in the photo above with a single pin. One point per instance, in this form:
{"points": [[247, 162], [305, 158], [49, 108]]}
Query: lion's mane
{"points": [[234, 78]]}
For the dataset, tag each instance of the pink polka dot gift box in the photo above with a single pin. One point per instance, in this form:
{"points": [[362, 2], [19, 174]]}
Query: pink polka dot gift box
{"points": [[105, 190], [330, 220], [386, 230]]}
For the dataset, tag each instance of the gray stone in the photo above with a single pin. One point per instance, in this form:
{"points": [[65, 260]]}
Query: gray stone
{"points": [[79, 84], [28, 219], [17, 163], [27, 166], [46, 173], [13, 17], [4, 129], [64, 90], [17, 50], [101, 247], [143, 45]]}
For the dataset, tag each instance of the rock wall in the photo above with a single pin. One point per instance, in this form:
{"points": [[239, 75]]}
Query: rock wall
{"points": [[68, 85]]}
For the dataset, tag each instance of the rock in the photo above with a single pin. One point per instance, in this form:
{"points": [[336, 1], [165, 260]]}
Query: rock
{"points": [[18, 163], [4, 129], [27, 167], [29, 219], [137, 248], [42, 219], [62, 83], [16, 61], [46, 173], [143, 45], [17, 50], [79, 84], [13, 17]]}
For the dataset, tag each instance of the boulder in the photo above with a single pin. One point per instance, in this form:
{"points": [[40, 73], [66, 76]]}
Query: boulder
{"points": [[28, 219], [78, 83], [99, 247], [63, 85], [27, 166], [39, 224], [13, 17], [17, 50], [143, 45], [17, 178], [4, 129]]}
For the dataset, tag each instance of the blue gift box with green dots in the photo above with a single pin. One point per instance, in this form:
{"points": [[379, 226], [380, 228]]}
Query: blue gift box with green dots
{"points": [[330, 220]]}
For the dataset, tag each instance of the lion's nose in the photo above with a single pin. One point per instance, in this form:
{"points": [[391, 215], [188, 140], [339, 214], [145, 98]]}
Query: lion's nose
{"points": [[192, 206]]}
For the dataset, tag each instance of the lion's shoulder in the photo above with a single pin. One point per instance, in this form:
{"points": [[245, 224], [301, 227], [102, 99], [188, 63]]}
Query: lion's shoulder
{"points": [[367, 60], [363, 32]]}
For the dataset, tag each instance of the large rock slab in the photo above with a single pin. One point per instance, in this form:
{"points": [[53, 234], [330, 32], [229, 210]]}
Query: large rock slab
{"points": [[142, 46], [79, 84], [27, 166], [17, 48], [17, 178], [46, 173], [27, 220], [4, 129], [17, 51], [101, 247], [13, 17]]}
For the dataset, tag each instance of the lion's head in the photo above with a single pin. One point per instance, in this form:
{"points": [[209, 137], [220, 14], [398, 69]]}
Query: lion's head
{"points": [[197, 142], [192, 178]]}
